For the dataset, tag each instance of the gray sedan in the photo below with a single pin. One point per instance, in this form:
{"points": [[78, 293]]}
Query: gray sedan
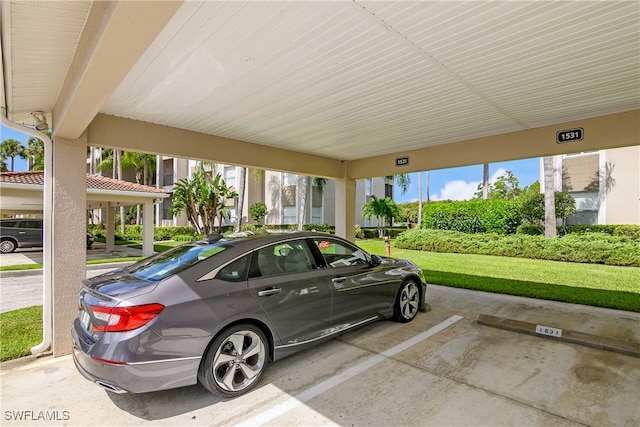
{"points": [[216, 311]]}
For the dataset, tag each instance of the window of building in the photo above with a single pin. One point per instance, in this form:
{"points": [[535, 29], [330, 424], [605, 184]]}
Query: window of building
{"points": [[289, 202], [368, 188], [230, 176]]}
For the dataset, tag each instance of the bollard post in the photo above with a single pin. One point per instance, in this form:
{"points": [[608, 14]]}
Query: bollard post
{"points": [[387, 246]]}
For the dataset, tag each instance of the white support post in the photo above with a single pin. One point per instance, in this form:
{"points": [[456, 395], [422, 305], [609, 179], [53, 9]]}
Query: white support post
{"points": [[147, 229]]}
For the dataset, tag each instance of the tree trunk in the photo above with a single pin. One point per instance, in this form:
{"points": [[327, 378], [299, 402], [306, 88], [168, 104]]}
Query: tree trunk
{"points": [[303, 181], [485, 182], [550, 227], [419, 199], [428, 196], [240, 203], [118, 161]]}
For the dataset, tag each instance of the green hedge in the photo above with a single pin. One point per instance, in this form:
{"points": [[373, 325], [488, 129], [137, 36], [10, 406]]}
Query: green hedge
{"points": [[473, 216], [598, 248], [134, 232], [372, 232], [626, 230]]}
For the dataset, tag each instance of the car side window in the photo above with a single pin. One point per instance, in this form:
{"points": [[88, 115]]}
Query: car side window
{"points": [[236, 271], [9, 224], [282, 258], [339, 254], [31, 224]]}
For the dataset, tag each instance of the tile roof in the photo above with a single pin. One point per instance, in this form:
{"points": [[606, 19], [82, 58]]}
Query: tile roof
{"points": [[95, 182]]}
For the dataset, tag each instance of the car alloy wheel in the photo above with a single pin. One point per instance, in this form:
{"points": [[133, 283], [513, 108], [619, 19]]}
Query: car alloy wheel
{"points": [[235, 360], [7, 246], [407, 302]]}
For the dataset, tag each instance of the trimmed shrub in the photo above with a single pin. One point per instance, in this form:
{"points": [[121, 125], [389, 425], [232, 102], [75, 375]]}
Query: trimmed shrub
{"points": [[597, 248], [530, 230], [473, 216], [323, 228], [628, 230]]}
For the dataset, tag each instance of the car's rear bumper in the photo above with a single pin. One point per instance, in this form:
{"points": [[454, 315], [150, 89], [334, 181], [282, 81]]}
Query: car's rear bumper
{"points": [[138, 377]]}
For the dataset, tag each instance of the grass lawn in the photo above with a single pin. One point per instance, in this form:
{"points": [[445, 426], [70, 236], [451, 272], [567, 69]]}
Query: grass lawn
{"points": [[21, 330], [589, 284]]}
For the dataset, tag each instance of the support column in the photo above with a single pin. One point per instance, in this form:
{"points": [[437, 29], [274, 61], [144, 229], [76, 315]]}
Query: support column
{"points": [[159, 184], [68, 244], [111, 224], [147, 229], [346, 208]]}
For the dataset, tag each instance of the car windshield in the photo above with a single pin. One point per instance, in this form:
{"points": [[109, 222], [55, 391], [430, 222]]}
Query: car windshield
{"points": [[174, 260]]}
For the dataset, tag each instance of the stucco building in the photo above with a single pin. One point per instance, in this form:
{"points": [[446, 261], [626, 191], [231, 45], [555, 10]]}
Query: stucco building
{"points": [[605, 185]]}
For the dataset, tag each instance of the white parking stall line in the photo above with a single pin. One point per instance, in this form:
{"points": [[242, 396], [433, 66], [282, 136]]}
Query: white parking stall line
{"points": [[336, 380]]}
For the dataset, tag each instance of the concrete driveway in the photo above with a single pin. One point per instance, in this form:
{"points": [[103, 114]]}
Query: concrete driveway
{"points": [[444, 368]]}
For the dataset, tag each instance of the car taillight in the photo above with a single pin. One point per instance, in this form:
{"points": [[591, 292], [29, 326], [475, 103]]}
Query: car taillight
{"points": [[121, 319]]}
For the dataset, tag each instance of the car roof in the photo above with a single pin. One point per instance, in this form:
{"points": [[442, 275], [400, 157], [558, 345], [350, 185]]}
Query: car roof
{"points": [[265, 238]]}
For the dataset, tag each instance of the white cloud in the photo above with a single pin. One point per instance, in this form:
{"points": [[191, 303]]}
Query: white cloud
{"points": [[457, 190], [463, 190], [497, 174]]}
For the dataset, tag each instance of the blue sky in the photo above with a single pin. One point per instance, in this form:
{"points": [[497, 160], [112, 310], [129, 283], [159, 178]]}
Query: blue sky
{"points": [[445, 184], [461, 183], [20, 165]]}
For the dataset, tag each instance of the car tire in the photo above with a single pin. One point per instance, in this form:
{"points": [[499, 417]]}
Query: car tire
{"points": [[7, 246], [407, 302], [235, 360]]}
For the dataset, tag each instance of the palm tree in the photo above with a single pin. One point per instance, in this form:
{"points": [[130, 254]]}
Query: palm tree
{"points": [[184, 199], [202, 198], [140, 163], [420, 199], [550, 225], [240, 204], [402, 179], [383, 209], [303, 183], [35, 154], [485, 182], [11, 148], [223, 193]]}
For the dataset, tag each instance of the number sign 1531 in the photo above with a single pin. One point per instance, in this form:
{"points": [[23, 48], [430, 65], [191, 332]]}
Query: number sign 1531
{"points": [[547, 330], [569, 135]]}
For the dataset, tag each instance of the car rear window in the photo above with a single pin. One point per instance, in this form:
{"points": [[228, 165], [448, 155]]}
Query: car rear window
{"points": [[174, 260]]}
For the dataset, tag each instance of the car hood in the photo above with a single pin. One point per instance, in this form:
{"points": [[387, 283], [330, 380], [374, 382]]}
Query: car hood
{"points": [[396, 261], [117, 283]]}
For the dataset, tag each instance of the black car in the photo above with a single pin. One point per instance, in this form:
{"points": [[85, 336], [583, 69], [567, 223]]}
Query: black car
{"points": [[216, 311], [25, 233]]}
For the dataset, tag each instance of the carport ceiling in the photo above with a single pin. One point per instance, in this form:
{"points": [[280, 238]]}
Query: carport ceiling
{"points": [[346, 80]]}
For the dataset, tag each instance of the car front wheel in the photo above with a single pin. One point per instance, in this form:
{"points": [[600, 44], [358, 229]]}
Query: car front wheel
{"points": [[407, 302], [235, 360], [7, 246]]}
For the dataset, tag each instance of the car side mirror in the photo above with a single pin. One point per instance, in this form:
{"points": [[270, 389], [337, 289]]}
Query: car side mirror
{"points": [[375, 260]]}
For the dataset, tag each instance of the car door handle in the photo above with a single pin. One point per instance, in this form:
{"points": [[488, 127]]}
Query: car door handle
{"points": [[268, 292]]}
